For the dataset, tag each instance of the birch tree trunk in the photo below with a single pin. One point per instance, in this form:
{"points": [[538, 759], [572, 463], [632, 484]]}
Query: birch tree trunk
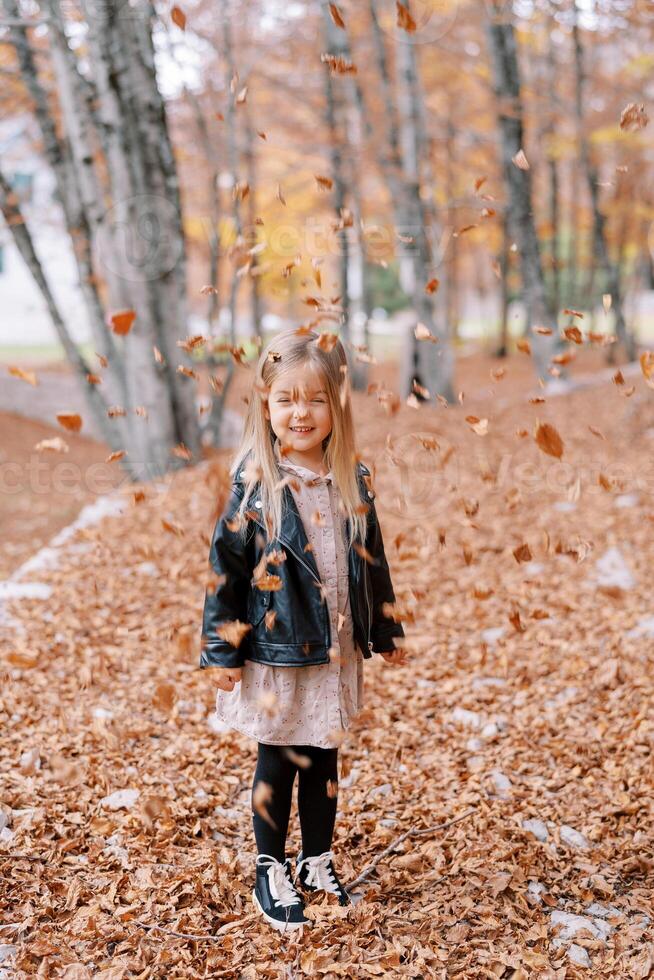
{"points": [[507, 85]]}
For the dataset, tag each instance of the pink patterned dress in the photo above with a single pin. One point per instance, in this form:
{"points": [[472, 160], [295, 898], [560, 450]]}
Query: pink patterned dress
{"points": [[312, 705]]}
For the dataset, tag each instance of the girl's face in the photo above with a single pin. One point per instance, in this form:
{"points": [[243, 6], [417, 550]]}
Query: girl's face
{"points": [[299, 413]]}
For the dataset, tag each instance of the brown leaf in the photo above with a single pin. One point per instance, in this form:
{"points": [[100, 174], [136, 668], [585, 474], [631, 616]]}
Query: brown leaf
{"points": [[516, 621], [178, 17], [404, 18], [574, 334], [233, 631], [164, 696], [633, 117], [263, 794], [122, 321], [522, 553], [499, 883], [647, 367], [336, 16], [173, 528], [70, 421], [548, 440]]}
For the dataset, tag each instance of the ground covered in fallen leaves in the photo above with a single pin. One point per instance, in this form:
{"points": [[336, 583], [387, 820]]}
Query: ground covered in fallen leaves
{"points": [[502, 781]]}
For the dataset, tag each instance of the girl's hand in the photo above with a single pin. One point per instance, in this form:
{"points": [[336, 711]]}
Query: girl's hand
{"points": [[397, 657], [228, 677]]}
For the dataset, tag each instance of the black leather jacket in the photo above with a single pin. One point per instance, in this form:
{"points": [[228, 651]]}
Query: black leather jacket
{"points": [[301, 634]]}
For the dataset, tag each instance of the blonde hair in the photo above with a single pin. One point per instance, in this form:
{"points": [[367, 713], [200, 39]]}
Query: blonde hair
{"points": [[290, 349]]}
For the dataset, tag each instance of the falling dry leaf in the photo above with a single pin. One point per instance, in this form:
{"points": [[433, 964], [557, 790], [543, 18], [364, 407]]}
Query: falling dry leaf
{"points": [[548, 440], [122, 321], [70, 421], [336, 15], [262, 795], [178, 17], [164, 696], [633, 117], [480, 426], [55, 445], [647, 367], [422, 332], [404, 18], [28, 376], [233, 631], [520, 160]]}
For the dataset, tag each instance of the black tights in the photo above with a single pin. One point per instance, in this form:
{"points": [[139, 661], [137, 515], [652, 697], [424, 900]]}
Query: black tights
{"points": [[316, 807]]}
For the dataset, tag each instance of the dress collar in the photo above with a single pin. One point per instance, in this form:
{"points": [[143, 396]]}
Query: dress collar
{"points": [[307, 476]]}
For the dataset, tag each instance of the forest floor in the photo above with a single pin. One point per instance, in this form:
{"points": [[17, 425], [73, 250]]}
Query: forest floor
{"points": [[502, 780]]}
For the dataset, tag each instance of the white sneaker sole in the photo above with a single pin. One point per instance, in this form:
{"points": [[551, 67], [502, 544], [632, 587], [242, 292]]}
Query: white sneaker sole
{"points": [[275, 923]]}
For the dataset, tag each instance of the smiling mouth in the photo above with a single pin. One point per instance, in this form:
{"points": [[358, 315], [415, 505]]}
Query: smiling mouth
{"points": [[302, 428]]}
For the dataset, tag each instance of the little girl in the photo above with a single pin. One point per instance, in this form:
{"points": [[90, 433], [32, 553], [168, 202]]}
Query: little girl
{"points": [[302, 595]]}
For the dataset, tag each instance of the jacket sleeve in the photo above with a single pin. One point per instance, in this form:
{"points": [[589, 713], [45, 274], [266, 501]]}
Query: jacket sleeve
{"points": [[383, 628], [228, 598]]}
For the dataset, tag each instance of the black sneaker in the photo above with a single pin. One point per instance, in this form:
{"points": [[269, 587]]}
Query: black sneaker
{"points": [[275, 895], [316, 873]]}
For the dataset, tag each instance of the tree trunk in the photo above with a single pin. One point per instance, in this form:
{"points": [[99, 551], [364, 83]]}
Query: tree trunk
{"points": [[256, 304], [115, 150], [347, 121], [214, 421], [19, 231], [600, 249], [335, 118], [503, 263], [431, 364], [506, 79]]}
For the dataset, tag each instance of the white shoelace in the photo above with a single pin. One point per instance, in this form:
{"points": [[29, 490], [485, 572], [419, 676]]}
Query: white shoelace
{"points": [[319, 874], [281, 887]]}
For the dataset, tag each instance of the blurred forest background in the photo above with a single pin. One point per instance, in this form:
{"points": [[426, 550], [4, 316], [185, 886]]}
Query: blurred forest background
{"points": [[424, 179]]}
